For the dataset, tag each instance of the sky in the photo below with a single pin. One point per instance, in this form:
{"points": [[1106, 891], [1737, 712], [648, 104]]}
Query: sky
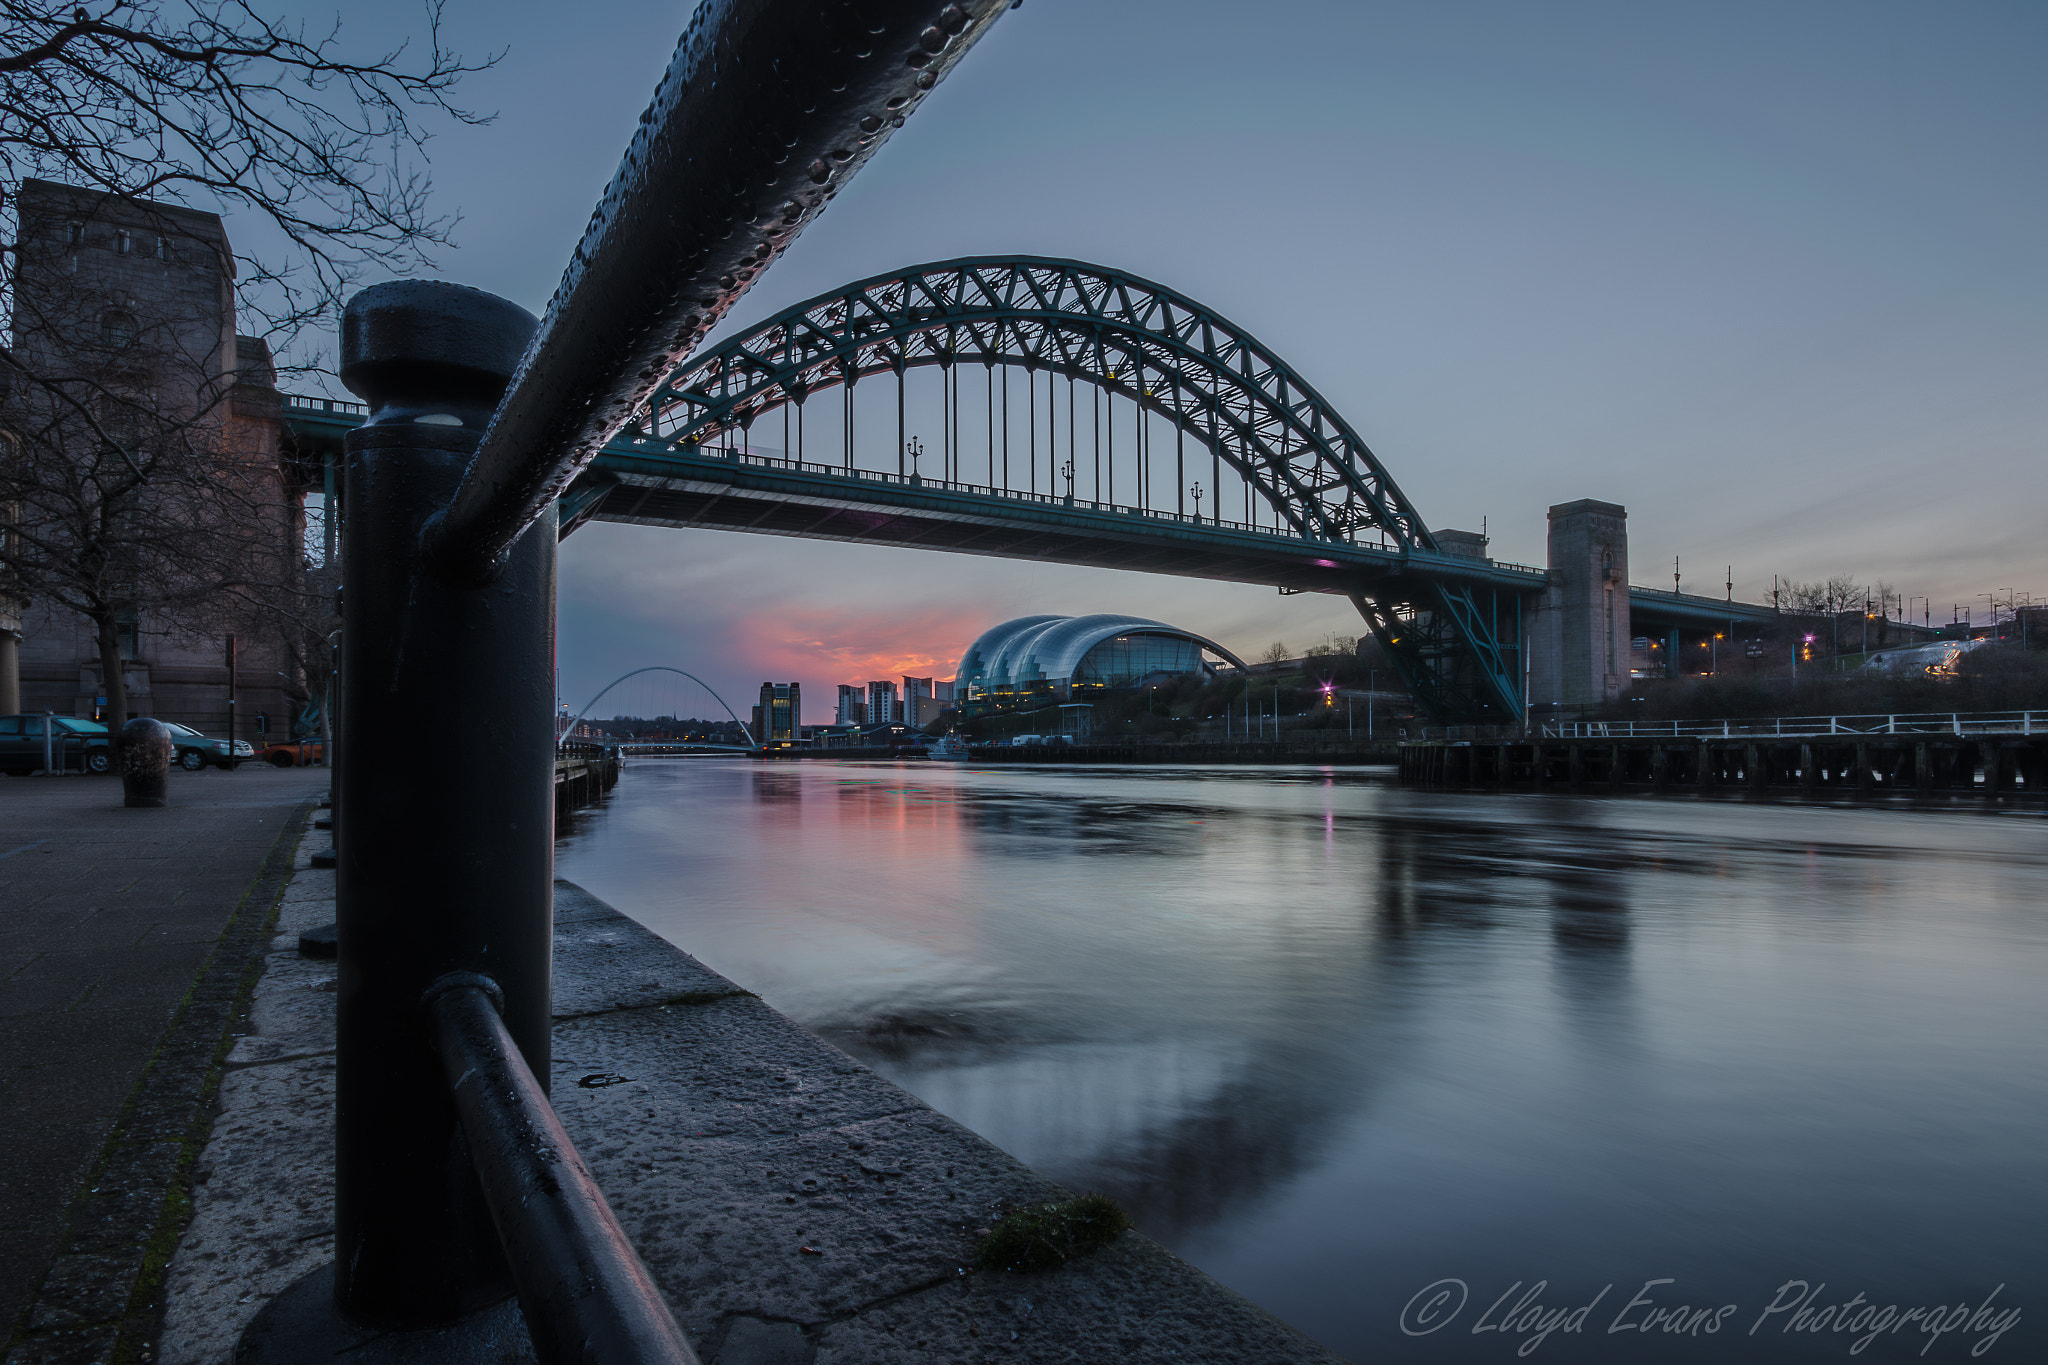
{"points": [[1774, 277]]}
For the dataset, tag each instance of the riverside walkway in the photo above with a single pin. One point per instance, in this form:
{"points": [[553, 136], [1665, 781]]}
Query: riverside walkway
{"points": [[126, 938]]}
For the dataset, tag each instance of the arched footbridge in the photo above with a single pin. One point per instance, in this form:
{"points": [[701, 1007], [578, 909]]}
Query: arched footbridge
{"points": [[1049, 410]]}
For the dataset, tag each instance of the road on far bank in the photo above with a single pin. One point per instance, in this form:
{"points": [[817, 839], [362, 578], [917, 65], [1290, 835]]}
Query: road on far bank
{"points": [[108, 918]]}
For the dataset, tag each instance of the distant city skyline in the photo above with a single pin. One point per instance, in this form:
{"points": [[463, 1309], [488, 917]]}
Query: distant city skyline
{"points": [[1767, 276]]}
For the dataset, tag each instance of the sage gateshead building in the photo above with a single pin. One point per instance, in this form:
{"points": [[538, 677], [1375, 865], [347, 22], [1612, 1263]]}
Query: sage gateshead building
{"points": [[1045, 658]]}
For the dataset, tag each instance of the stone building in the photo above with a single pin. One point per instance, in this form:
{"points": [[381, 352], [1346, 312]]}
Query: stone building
{"points": [[132, 305]]}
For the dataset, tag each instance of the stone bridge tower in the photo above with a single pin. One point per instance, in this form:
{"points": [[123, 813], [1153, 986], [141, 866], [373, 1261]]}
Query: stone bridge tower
{"points": [[1579, 643]]}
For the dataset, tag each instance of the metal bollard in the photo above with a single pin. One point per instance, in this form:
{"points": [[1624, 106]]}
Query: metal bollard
{"points": [[146, 751], [447, 862]]}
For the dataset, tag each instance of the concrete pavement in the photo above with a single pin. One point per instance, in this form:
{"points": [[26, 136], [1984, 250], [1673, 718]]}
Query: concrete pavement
{"points": [[121, 945]]}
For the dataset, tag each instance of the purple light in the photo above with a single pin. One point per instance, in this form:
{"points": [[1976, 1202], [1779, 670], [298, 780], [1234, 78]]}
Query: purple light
{"points": [[1327, 563]]}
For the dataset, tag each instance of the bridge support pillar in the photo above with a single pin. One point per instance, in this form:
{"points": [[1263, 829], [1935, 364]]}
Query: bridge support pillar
{"points": [[1809, 771], [1865, 778], [1705, 775], [1579, 645], [445, 867]]}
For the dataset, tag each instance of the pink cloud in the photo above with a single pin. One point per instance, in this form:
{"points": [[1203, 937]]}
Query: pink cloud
{"points": [[858, 644]]}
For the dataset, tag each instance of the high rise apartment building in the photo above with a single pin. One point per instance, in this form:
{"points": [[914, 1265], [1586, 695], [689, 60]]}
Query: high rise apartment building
{"points": [[853, 705], [884, 705]]}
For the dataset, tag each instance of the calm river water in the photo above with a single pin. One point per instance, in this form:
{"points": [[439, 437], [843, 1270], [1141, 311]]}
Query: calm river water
{"points": [[1336, 1041]]}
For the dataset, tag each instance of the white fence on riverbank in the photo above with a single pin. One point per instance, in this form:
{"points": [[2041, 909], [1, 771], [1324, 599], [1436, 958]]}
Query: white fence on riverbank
{"points": [[1927, 723]]}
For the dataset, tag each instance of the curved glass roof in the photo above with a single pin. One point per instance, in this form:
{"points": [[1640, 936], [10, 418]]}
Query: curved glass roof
{"points": [[1050, 648]]}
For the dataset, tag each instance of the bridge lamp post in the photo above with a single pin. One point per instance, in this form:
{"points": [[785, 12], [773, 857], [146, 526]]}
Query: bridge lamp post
{"points": [[1196, 492], [915, 449]]}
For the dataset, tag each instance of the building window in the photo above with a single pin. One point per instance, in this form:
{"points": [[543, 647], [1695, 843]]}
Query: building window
{"points": [[74, 234], [117, 329], [128, 626], [124, 241], [163, 248]]}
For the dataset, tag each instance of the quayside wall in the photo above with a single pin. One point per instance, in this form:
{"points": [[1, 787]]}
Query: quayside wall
{"points": [[1985, 764], [1242, 752], [794, 1207]]}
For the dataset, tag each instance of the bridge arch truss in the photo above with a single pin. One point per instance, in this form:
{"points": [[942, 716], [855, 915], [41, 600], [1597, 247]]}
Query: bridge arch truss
{"points": [[1300, 466], [1129, 337]]}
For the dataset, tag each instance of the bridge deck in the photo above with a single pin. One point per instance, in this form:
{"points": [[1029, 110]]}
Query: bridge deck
{"points": [[771, 496]]}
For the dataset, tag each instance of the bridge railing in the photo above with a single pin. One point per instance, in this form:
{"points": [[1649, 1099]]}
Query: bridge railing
{"points": [[740, 455], [1460, 734], [1958, 723]]}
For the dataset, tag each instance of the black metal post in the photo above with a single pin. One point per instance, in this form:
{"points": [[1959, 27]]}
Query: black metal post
{"points": [[446, 862]]}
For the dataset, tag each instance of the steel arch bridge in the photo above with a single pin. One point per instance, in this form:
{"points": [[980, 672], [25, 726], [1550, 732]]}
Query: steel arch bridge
{"points": [[1302, 471], [753, 744], [1157, 390]]}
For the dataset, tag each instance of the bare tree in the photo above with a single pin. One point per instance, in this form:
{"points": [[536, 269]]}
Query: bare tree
{"points": [[1804, 599], [135, 493], [131, 489], [1275, 655], [215, 105], [1845, 594]]}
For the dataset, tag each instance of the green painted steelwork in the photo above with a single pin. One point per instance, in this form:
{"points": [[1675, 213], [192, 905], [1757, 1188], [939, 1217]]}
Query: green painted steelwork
{"points": [[1324, 515], [1247, 409]]}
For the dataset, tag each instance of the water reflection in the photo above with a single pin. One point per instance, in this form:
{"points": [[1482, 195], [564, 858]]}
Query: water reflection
{"points": [[1334, 1039]]}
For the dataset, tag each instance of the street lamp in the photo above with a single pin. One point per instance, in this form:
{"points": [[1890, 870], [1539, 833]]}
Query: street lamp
{"points": [[1196, 491]]}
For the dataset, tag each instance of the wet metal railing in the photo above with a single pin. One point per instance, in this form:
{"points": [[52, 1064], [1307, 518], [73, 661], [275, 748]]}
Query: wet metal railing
{"points": [[478, 418]]}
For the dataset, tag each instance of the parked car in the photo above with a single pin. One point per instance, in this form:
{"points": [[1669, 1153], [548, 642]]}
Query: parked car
{"points": [[294, 753], [75, 742], [195, 751]]}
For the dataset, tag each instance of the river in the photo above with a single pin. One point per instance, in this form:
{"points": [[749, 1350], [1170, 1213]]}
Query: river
{"points": [[1406, 1067]]}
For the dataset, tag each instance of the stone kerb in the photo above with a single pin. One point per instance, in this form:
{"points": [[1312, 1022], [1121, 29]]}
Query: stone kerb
{"points": [[793, 1205]]}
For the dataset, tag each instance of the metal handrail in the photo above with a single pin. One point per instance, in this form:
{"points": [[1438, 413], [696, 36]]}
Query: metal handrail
{"points": [[585, 1293], [705, 200], [2025, 723]]}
